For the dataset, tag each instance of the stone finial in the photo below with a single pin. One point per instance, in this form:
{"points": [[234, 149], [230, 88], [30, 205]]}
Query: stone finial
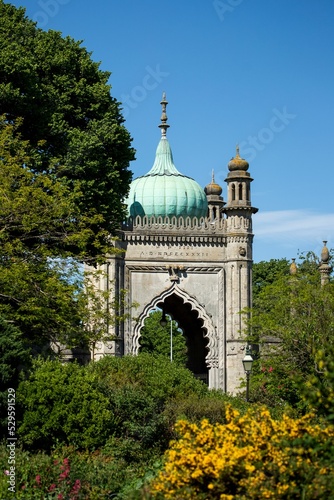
{"points": [[163, 125], [293, 267], [324, 253], [324, 268]]}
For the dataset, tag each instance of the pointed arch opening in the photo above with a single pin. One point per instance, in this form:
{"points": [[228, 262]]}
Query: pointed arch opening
{"points": [[161, 334], [233, 192], [240, 192], [196, 325]]}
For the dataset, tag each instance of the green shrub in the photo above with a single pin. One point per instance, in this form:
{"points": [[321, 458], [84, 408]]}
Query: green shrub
{"points": [[141, 424], [66, 474], [249, 457], [154, 374], [84, 405], [14, 356], [63, 404], [138, 389]]}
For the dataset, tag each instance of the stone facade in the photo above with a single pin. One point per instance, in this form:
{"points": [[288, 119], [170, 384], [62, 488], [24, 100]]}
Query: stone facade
{"points": [[199, 272], [189, 254]]}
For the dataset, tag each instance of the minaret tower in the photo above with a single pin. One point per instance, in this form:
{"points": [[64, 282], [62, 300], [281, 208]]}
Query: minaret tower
{"points": [[239, 239], [215, 201], [239, 210]]}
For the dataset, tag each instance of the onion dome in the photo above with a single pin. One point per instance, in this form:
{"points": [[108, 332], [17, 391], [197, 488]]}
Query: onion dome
{"points": [[164, 191], [238, 163], [213, 188]]}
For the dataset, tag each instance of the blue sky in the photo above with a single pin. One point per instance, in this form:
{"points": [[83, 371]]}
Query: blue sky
{"points": [[255, 72]]}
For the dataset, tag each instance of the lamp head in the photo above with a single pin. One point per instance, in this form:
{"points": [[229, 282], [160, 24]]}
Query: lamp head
{"points": [[163, 321], [248, 360]]}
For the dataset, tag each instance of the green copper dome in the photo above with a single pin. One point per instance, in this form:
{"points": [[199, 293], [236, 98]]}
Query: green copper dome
{"points": [[164, 191]]}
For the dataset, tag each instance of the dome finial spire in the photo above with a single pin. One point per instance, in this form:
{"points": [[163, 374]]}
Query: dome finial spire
{"points": [[163, 125]]}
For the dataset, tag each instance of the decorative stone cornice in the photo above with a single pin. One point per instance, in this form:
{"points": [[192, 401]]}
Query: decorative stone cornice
{"points": [[171, 238], [165, 269], [236, 208], [175, 224], [203, 270], [157, 269], [188, 230], [240, 238]]}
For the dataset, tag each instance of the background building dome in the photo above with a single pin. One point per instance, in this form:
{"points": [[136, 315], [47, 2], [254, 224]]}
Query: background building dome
{"points": [[164, 191]]}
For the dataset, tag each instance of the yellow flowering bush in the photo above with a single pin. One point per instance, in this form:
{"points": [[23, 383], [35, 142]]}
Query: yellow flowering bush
{"points": [[250, 457]]}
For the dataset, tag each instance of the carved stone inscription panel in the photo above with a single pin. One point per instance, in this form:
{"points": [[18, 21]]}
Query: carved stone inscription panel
{"points": [[174, 252]]}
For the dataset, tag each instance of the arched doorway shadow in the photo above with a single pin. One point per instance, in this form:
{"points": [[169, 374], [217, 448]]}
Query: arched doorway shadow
{"points": [[196, 324]]}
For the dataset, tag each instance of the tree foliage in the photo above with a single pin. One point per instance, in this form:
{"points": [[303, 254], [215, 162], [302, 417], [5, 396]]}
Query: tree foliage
{"points": [[267, 272], [292, 322], [63, 403], [156, 338], [118, 398], [14, 355], [64, 171], [38, 212], [37, 217], [60, 103]]}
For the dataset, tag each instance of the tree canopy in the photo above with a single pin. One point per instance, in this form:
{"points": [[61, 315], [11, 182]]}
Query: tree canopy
{"points": [[266, 272], [156, 339], [64, 171], [60, 104], [293, 323]]}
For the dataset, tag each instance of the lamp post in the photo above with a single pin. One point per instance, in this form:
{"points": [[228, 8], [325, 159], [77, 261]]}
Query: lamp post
{"points": [[163, 322], [247, 362]]}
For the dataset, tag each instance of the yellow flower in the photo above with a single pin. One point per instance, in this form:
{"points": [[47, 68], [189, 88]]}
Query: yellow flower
{"points": [[247, 448]]}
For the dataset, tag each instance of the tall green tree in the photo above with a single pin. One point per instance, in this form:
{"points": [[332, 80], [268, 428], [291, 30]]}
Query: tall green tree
{"points": [[37, 217], [293, 323], [38, 211], [14, 354], [73, 125], [267, 272], [64, 171]]}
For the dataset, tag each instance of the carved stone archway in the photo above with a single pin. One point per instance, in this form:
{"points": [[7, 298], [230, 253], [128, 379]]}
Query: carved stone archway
{"points": [[209, 330]]}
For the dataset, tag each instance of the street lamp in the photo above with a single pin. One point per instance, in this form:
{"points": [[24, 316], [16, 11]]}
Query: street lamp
{"points": [[163, 322], [247, 362]]}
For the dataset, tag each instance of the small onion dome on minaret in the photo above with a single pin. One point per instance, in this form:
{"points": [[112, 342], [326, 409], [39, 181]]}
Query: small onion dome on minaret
{"points": [[238, 184], [238, 163], [293, 267], [324, 268], [213, 189], [215, 201]]}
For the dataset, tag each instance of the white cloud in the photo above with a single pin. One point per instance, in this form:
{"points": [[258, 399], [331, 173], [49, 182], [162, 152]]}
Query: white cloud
{"points": [[294, 225], [285, 233]]}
